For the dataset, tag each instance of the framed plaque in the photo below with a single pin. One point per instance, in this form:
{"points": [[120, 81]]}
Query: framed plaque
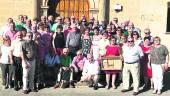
{"points": [[111, 63]]}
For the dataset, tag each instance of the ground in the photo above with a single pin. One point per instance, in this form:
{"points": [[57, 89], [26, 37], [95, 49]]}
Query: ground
{"points": [[85, 91]]}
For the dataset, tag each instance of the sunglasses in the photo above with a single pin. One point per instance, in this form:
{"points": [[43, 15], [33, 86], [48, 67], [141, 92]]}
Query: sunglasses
{"points": [[134, 34], [130, 41], [146, 33]]}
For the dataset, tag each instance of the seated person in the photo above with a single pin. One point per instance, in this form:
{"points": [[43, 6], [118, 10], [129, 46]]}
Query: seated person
{"points": [[90, 71], [65, 74], [77, 65]]}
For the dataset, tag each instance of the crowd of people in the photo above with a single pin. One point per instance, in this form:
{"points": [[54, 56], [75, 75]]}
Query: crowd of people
{"points": [[75, 48]]}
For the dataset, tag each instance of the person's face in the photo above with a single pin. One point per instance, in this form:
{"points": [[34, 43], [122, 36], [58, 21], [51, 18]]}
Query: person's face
{"points": [[43, 19], [90, 58], [24, 32], [135, 35], [113, 41], [10, 20], [118, 31], [68, 24], [86, 32], [11, 26], [96, 32], [130, 42], [123, 39], [105, 36], [147, 33], [19, 35], [65, 53], [59, 30], [29, 36], [147, 42], [157, 41], [21, 18], [109, 29], [33, 28]]}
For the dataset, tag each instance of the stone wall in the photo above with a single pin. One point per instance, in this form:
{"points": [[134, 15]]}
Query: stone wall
{"points": [[13, 8]]}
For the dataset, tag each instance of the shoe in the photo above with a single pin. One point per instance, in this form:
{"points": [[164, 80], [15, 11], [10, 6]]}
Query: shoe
{"points": [[4, 87], [124, 90], [10, 86], [16, 88], [107, 87], [135, 93], [25, 91], [72, 85], [57, 85], [159, 92], [154, 91], [34, 90], [95, 87]]}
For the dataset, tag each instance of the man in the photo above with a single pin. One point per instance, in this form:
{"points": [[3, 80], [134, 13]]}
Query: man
{"points": [[29, 56], [90, 71], [131, 56], [73, 40], [16, 47], [147, 33], [65, 75]]}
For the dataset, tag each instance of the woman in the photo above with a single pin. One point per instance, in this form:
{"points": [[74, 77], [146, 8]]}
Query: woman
{"points": [[77, 65], [159, 59], [136, 37], [95, 43], [58, 41], [147, 74], [112, 50], [86, 42], [6, 61]]}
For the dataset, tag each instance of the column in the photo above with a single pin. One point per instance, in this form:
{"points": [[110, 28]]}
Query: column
{"points": [[102, 10]]}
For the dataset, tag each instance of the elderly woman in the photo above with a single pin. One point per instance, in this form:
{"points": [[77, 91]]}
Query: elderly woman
{"points": [[159, 59], [112, 50], [77, 65]]}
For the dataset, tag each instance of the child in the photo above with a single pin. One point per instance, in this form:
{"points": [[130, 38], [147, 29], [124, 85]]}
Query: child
{"points": [[6, 61]]}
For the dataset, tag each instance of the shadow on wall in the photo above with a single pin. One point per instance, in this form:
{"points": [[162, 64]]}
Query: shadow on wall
{"points": [[52, 7]]}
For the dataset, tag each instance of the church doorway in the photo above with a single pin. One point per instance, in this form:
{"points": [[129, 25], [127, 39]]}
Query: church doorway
{"points": [[68, 8]]}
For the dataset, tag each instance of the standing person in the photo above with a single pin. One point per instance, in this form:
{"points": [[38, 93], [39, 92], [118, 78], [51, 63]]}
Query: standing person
{"points": [[6, 61], [91, 71], [73, 41], [159, 59], [112, 50], [145, 71], [29, 57], [58, 41], [16, 47], [86, 42], [131, 56]]}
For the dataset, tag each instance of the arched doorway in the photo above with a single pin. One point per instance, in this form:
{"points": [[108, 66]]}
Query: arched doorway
{"points": [[68, 8]]}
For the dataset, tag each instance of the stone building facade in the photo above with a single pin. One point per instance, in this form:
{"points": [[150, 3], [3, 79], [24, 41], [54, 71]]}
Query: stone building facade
{"points": [[144, 13]]}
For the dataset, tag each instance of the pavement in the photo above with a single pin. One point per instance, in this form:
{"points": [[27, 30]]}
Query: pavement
{"points": [[86, 91]]}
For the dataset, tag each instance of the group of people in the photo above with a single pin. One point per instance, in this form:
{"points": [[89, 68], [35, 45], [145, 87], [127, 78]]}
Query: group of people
{"points": [[75, 48]]}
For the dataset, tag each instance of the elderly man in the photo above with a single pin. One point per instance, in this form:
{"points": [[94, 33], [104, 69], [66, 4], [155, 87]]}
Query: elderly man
{"points": [[131, 55], [29, 56], [90, 72], [73, 40], [16, 47]]}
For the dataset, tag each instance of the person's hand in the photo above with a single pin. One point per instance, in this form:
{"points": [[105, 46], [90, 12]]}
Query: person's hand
{"points": [[165, 66], [11, 61], [149, 66], [25, 65]]}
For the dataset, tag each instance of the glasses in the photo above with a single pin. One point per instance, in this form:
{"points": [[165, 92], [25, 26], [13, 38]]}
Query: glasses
{"points": [[130, 41], [146, 33], [134, 34]]}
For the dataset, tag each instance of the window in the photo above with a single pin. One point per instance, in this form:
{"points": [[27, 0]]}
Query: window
{"points": [[168, 18]]}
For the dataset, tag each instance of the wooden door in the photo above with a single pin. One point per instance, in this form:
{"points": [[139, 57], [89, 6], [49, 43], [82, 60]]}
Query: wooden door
{"points": [[77, 8]]}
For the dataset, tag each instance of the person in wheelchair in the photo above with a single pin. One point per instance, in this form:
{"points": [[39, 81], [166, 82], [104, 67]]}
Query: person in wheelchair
{"points": [[65, 75]]}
